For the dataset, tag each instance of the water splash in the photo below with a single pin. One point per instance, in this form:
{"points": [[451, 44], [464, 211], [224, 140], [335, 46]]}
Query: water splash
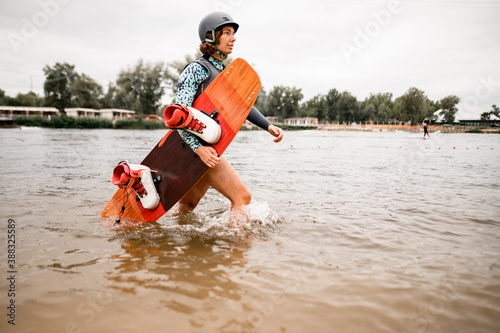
{"points": [[205, 227]]}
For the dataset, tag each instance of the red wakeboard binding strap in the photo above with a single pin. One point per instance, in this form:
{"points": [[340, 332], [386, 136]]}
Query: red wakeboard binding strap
{"points": [[125, 172], [178, 116]]}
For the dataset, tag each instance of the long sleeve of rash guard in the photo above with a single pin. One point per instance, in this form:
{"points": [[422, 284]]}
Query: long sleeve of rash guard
{"points": [[189, 81], [256, 118]]}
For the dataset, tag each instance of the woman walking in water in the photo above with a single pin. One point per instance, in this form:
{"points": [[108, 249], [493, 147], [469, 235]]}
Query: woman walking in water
{"points": [[216, 32]]}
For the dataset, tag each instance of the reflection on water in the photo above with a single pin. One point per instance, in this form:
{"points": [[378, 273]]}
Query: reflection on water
{"points": [[348, 232], [185, 264], [179, 261]]}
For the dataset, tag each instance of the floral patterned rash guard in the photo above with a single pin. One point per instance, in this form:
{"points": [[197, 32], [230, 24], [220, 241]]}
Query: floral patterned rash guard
{"points": [[193, 75]]}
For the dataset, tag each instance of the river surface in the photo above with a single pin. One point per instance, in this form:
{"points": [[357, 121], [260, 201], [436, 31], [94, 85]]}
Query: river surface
{"points": [[348, 232]]}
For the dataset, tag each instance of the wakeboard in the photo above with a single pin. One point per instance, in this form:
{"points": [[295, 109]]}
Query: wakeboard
{"points": [[175, 167]]}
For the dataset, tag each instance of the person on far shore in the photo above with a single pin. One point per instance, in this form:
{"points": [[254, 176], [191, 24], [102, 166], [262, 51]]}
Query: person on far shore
{"points": [[426, 130]]}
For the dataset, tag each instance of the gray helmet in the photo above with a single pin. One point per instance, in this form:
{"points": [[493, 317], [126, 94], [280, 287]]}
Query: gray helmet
{"points": [[212, 22]]}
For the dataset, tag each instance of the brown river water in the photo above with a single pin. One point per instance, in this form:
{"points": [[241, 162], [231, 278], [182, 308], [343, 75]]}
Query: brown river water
{"points": [[348, 232]]}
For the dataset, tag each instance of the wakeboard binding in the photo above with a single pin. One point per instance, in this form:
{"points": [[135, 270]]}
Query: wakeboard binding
{"points": [[206, 127], [140, 178]]}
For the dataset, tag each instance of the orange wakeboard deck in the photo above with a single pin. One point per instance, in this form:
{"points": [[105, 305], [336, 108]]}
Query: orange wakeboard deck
{"points": [[232, 93]]}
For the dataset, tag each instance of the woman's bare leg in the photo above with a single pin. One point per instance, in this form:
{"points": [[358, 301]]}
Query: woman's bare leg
{"points": [[224, 179], [193, 197]]}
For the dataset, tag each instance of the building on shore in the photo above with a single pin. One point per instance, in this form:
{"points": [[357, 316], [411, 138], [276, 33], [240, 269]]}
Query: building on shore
{"points": [[154, 117], [492, 122], [273, 120], [8, 113], [112, 114], [117, 114], [82, 113], [301, 121]]}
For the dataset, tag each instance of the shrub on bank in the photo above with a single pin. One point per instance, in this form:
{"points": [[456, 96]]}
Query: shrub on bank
{"points": [[283, 127], [72, 122], [139, 124], [32, 121], [474, 130], [94, 123], [63, 122], [296, 128]]}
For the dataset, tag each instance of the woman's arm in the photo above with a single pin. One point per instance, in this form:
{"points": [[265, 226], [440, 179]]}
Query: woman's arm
{"points": [[256, 118], [189, 82], [276, 132]]}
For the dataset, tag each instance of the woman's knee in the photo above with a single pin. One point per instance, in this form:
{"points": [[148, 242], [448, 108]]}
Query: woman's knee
{"points": [[193, 197], [244, 197]]}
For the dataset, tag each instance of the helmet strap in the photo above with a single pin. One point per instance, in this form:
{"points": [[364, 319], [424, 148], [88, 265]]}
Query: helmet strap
{"points": [[223, 56], [212, 41]]}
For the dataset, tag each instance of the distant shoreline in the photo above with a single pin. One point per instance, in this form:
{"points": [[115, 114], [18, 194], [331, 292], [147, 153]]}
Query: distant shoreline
{"points": [[387, 128], [411, 129], [89, 123]]}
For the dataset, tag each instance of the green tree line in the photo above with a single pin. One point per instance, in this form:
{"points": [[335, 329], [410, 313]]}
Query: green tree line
{"points": [[495, 111], [142, 86]]}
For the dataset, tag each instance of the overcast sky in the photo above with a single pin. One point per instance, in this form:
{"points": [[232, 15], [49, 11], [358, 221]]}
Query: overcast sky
{"points": [[442, 47]]}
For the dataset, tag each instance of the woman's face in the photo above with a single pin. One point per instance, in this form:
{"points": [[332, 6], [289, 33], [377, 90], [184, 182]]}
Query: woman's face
{"points": [[226, 40]]}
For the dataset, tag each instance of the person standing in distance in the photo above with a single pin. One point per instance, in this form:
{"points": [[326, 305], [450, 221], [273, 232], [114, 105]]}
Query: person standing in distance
{"points": [[426, 130]]}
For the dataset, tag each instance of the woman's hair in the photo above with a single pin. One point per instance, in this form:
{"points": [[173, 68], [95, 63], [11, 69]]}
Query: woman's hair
{"points": [[209, 48]]}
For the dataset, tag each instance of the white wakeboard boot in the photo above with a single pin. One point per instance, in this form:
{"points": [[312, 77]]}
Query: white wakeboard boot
{"points": [[125, 171], [178, 116]]}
